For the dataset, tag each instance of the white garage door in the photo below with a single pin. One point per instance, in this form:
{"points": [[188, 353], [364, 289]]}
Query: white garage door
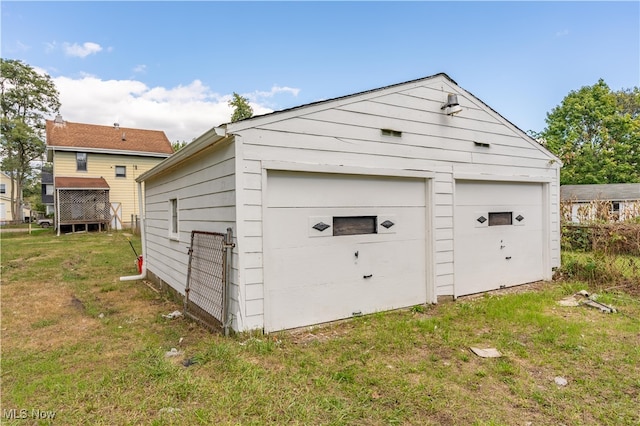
{"points": [[498, 235], [341, 245]]}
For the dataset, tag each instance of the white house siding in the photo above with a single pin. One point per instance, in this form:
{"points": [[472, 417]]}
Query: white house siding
{"points": [[349, 134], [206, 191]]}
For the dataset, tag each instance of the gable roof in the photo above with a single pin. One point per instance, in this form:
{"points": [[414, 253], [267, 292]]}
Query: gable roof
{"points": [[70, 136], [226, 131], [80, 183], [339, 98], [604, 192]]}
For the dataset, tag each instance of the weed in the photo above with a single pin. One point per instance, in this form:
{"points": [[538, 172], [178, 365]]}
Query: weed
{"points": [[43, 323]]}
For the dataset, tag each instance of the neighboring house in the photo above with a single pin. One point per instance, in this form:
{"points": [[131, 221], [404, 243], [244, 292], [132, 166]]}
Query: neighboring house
{"points": [[94, 171], [6, 216], [5, 198], [378, 200], [612, 202], [46, 181]]}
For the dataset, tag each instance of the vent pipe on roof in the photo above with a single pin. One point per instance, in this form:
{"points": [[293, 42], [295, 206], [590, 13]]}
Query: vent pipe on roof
{"points": [[116, 125], [124, 136], [58, 119]]}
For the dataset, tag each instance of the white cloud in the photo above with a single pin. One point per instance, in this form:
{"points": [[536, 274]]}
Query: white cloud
{"points": [[50, 46], [562, 33], [276, 90], [140, 69], [183, 112], [81, 51]]}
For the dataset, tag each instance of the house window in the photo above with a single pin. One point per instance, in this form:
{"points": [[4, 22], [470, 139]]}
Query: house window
{"points": [[121, 171], [173, 219], [500, 218], [3, 188], [615, 210], [48, 190], [81, 161], [355, 225]]}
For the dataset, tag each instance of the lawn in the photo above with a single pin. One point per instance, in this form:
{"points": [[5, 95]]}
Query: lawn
{"points": [[80, 345]]}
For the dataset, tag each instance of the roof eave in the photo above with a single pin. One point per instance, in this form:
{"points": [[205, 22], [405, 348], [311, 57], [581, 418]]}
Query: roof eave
{"points": [[204, 141], [105, 151]]}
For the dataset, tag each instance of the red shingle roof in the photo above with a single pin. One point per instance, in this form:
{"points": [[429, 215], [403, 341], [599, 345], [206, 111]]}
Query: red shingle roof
{"points": [[91, 136], [80, 183]]}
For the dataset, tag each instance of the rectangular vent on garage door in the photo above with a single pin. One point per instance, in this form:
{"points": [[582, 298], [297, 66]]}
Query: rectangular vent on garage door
{"points": [[355, 225]]}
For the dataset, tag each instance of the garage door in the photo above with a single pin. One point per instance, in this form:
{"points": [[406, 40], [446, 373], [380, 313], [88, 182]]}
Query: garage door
{"points": [[341, 245], [498, 235]]}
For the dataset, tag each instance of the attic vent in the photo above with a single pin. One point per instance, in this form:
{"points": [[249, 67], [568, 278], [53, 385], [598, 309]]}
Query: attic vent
{"points": [[481, 144], [389, 132]]}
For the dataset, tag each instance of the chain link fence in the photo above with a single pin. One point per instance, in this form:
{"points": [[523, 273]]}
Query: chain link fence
{"points": [[206, 289]]}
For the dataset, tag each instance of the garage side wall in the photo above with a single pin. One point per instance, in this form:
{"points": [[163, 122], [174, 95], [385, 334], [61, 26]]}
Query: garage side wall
{"points": [[354, 132], [204, 190]]}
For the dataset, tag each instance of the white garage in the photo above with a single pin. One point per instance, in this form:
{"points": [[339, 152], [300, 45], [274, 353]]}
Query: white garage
{"points": [[499, 235], [383, 199], [342, 245]]}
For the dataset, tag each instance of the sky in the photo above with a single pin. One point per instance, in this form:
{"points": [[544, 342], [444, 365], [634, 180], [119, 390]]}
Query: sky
{"points": [[173, 66]]}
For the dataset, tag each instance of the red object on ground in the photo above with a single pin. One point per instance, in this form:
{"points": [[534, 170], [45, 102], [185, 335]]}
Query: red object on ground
{"points": [[140, 264]]}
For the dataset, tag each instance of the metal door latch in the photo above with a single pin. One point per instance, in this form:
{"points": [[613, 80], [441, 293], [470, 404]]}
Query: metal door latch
{"points": [[367, 276]]}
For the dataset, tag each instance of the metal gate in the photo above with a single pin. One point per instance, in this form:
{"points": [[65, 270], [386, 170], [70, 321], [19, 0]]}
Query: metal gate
{"points": [[206, 290]]}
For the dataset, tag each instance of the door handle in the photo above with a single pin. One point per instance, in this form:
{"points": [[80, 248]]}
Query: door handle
{"points": [[508, 257], [367, 276]]}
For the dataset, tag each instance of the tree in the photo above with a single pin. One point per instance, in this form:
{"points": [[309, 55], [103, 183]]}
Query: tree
{"points": [[177, 145], [241, 106], [596, 134], [629, 101], [25, 98]]}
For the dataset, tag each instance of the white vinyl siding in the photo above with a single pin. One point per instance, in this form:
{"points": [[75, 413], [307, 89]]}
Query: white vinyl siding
{"points": [[205, 194]]}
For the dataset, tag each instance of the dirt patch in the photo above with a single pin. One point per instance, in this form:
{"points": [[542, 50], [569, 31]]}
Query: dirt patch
{"points": [[47, 314], [523, 288]]}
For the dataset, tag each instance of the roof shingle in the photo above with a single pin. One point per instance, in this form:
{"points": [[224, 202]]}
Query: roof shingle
{"points": [[603, 192], [70, 182], [91, 136]]}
